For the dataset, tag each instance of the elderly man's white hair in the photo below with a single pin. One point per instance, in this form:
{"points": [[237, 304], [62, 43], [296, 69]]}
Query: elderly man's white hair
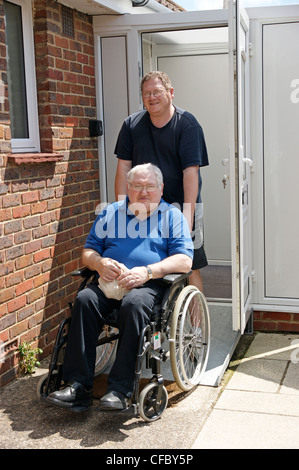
{"points": [[145, 167]]}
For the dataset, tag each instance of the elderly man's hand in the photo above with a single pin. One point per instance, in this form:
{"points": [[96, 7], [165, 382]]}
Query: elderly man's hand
{"points": [[133, 277], [110, 269]]}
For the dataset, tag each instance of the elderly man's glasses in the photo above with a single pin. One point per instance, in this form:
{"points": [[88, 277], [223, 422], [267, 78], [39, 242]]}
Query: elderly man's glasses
{"points": [[155, 93], [138, 187]]}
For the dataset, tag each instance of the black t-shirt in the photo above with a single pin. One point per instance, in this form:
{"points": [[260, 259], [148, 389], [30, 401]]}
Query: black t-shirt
{"points": [[174, 147]]}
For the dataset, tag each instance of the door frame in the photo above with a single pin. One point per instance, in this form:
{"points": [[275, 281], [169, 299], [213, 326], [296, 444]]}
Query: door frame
{"points": [[132, 26]]}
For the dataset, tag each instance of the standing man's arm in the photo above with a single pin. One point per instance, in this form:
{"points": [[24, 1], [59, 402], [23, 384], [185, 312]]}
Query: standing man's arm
{"points": [[190, 183], [123, 166]]}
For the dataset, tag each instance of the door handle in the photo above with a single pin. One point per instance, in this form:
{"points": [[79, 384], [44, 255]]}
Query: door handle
{"points": [[225, 180], [248, 160]]}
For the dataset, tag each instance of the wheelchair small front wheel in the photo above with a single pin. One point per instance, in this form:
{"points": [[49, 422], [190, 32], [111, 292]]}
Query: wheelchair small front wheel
{"points": [[150, 408]]}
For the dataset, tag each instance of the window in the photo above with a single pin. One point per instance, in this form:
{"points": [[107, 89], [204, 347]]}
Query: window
{"points": [[21, 76]]}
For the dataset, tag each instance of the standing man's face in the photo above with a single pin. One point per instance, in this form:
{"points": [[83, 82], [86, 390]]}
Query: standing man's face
{"points": [[156, 98]]}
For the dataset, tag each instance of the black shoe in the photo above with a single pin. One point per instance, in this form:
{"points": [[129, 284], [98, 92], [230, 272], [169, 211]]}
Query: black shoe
{"points": [[114, 401], [74, 396]]}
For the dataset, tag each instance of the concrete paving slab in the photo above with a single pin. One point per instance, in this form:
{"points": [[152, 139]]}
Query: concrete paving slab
{"points": [[290, 385], [227, 429], [273, 346], [262, 375], [257, 402]]}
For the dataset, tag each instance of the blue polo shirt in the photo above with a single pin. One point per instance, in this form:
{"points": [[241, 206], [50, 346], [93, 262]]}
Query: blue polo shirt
{"points": [[118, 234]]}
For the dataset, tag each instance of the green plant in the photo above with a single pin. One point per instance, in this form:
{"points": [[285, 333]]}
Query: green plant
{"points": [[28, 362]]}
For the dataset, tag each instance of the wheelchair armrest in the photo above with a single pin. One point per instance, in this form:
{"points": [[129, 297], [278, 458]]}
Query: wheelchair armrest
{"points": [[168, 279], [83, 272], [175, 277]]}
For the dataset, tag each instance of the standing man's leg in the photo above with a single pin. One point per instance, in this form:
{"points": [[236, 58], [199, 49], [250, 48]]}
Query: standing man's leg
{"points": [[196, 279], [199, 259]]}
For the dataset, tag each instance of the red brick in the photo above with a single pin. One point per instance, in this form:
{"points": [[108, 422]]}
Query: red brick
{"points": [[21, 211], [18, 329], [16, 304], [5, 214], [41, 280], [32, 271], [14, 279], [24, 287], [33, 246], [38, 207], [23, 261], [35, 294], [12, 200], [30, 197]]}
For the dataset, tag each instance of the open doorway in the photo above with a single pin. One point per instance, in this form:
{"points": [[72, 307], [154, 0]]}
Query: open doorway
{"points": [[196, 60]]}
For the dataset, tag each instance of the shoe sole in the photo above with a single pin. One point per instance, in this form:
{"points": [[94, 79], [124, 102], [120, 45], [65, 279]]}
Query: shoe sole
{"points": [[109, 407], [83, 405]]}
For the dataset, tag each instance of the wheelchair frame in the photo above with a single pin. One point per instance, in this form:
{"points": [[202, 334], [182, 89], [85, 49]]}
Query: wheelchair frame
{"points": [[174, 319]]}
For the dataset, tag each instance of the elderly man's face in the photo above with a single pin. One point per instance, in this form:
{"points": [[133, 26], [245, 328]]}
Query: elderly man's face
{"points": [[144, 193]]}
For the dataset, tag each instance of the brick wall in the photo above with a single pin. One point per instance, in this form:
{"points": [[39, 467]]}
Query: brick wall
{"points": [[276, 321], [47, 207]]}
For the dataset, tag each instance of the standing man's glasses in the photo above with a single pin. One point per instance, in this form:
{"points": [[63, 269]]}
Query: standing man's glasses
{"points": [[155, 93]]}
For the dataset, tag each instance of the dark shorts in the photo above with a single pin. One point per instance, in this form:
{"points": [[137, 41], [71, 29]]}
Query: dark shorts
{"points": [[199, 258]]}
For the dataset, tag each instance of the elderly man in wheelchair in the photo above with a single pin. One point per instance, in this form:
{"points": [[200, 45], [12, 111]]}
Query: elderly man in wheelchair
{"points": [[133, 244]]}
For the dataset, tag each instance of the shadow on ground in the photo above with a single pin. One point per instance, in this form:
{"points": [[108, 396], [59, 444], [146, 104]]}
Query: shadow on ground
{"points": [[29, 423]]}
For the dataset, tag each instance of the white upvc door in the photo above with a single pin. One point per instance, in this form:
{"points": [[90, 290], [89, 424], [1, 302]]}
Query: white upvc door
{"points": [[130, 28], [241, 166]]}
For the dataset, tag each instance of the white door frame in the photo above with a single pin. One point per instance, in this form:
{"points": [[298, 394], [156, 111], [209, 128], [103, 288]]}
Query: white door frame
{"points": [[240, 166]]}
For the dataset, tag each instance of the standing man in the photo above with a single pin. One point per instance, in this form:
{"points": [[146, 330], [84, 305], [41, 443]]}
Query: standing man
{"points": [[172, 139]]}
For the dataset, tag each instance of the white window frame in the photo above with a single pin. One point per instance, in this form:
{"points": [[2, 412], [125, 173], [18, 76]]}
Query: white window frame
{"points": [[32, 143]]}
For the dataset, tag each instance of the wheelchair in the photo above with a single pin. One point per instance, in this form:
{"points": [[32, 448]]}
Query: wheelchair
{"points": [[179, 330]]}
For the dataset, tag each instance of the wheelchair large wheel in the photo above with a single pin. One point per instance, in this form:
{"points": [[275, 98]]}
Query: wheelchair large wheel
{"points": [[189, 338], [151, 409], [104, 352]]}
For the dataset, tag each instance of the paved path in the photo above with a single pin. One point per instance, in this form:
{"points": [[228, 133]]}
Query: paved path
{"points": [[257, 406]]}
